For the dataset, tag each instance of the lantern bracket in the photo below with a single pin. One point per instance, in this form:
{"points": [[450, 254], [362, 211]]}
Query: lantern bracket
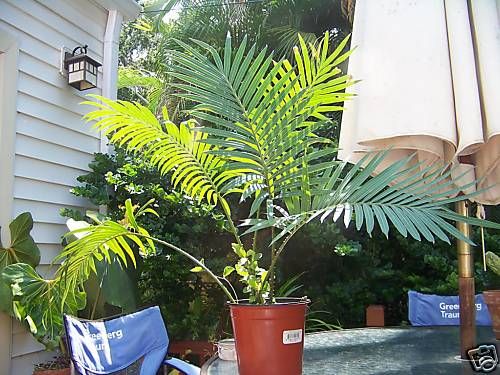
{"points": [[62, 66]]}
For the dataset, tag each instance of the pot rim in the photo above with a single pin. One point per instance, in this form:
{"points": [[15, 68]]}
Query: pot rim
{"points": [[228, 344], [280, 301]]}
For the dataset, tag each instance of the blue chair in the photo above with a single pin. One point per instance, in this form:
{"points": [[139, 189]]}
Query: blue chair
{"points": [[133, 344]]}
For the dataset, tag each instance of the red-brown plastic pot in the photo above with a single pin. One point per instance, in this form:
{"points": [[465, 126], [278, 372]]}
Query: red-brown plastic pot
{"points": [[269, 338], [492, 299]]}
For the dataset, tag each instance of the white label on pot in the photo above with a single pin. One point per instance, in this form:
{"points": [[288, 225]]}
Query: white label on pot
{"points": [[293, 336]]}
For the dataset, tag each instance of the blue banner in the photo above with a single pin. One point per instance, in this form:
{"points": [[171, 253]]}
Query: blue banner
{"points": [[434, 310]]}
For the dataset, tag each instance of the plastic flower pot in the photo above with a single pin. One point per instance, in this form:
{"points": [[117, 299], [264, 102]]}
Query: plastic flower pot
{"points": [[492, 299], [269, 338]]}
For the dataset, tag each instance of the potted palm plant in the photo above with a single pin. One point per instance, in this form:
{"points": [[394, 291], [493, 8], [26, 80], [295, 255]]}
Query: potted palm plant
{"points": [[253, 133], [492, 297]]}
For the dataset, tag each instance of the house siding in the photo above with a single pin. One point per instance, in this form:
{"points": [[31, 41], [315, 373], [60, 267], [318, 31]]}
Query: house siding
{"points": [[52, 144]]}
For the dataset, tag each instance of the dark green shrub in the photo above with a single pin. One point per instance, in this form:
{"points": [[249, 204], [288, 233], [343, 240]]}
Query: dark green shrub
{"points": [[344, 279]]}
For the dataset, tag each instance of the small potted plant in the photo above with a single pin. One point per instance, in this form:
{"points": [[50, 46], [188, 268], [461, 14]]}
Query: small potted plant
{"points": [[492, 297], [254, 133]]}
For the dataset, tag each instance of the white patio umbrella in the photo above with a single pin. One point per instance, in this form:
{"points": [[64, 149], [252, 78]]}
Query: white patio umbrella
{"points": [[430, 85]]}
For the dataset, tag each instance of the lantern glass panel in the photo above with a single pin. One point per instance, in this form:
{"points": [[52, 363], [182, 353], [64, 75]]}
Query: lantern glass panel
{"points": [[75, 76], [91, 78]]}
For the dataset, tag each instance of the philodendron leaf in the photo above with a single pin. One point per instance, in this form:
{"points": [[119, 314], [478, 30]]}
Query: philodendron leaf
{"points": [[119, 284], [43, 302], [74, 225], [22, 249], [5, 297]]}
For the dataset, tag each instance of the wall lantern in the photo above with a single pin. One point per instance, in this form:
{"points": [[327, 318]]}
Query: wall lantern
{"points": [[82, 69]]}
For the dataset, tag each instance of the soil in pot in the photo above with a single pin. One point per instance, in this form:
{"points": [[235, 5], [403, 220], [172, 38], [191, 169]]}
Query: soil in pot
{"points": [[269, 338], [58, 366], [492, 299]]}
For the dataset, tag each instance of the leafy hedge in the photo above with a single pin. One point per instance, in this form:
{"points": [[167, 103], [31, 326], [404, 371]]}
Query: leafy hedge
{"points": [[380, 271]]}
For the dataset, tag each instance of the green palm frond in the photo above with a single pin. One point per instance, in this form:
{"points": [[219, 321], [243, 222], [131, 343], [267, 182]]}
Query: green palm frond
{"points": [[288, 37], [113, 239], [154, 87], [256, 111], [416, 204], [317, 71], [170, 148], [98, 241]]}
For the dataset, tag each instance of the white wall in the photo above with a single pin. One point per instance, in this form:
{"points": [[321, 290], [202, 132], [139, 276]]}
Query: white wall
{"points": [[8, 89], [52, 144]]}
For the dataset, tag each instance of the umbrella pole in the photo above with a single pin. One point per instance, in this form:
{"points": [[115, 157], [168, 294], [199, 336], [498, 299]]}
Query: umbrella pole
{"points": [[466, 286]]}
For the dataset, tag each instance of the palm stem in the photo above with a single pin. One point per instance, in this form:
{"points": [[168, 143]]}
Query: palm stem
{"points": [[192, 258], [278, 253], [270, 274], [232, 227], [254, 241]]}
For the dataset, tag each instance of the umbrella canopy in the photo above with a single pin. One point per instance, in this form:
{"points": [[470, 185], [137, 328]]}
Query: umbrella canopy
{"points": [[430, 85], [430, 79]]}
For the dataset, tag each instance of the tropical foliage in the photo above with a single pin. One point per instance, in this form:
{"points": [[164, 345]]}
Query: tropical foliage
{"points": [[375, 270], [493, 262], [275, 23], [22, 249], [144, 44], [25, 294], [257, 138], [40, 302]]}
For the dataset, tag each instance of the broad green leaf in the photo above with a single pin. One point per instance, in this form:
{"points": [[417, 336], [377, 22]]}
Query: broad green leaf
{"points": [[22, 248], [43, 301], [119, 284], [228, 270]]}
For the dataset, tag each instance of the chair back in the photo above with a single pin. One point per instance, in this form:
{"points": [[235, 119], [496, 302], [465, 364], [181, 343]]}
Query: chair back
{"points": [[130, 344], [435, 310]]}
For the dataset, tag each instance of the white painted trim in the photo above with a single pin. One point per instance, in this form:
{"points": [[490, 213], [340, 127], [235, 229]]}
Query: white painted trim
{"points": [[110, 67], [128, 8], [110, 61], [9, 52]]}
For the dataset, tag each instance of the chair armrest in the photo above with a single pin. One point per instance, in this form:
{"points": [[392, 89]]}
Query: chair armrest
{"points": [[180, 365]]}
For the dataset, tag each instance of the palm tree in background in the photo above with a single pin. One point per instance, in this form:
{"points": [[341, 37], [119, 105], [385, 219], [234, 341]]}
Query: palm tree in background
{"points": [[276, 24]]}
